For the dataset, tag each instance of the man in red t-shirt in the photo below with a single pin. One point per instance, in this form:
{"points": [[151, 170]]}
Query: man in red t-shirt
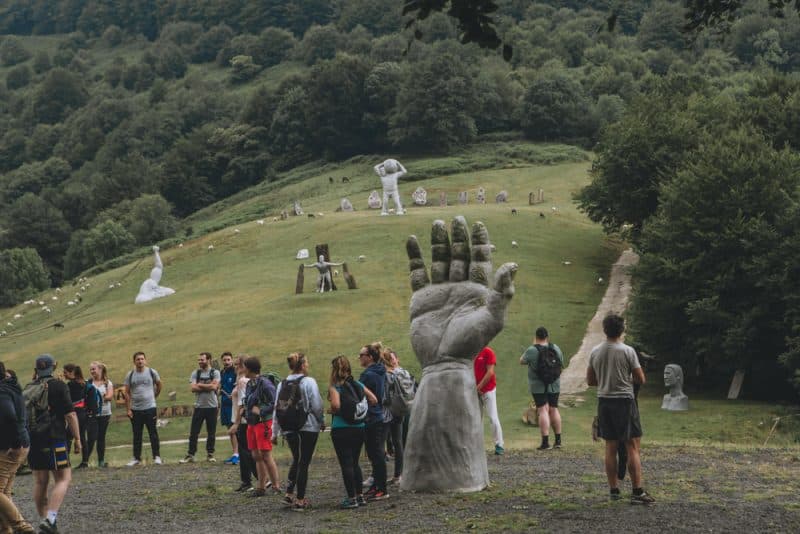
{"points": [[485, 382]]}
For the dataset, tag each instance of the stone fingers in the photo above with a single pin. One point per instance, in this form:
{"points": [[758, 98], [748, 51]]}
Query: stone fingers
{"points": [[481, 267], [419, 276], [504, 279], [440, 252], [459, 250]]}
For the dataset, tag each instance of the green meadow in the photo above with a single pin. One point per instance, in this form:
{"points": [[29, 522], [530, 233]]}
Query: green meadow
{"points": [[240, 295]]}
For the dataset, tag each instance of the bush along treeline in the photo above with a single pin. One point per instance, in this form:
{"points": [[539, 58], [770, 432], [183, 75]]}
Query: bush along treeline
{"points": [[118, 119], [704, 179]]}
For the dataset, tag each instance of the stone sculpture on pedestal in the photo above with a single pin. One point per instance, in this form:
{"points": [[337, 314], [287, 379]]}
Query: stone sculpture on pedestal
{"points": [[390, 171], [454, 314], [675, 400], [150, 289]]}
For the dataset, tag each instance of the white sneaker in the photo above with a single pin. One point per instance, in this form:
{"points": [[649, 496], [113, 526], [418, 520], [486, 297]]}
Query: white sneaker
{"points": [[133, 463], [369, 482], [157, 460]]}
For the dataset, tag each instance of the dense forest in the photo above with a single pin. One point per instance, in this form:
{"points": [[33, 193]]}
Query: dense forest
{"points": [[119, 118]]}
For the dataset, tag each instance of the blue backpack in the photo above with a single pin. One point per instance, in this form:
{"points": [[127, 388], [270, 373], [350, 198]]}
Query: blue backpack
{"points": [[94, 399]]}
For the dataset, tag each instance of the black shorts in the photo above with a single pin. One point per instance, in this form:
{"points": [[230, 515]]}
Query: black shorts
{"points": [[545, 398], [50, 456], [618, 419]]}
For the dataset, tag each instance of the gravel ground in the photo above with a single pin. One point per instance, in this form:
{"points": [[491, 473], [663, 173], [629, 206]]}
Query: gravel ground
{"points": [[697, 489]]}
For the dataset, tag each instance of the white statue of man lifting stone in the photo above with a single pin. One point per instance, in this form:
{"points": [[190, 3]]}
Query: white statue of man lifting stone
{"points": [[390, 171]]}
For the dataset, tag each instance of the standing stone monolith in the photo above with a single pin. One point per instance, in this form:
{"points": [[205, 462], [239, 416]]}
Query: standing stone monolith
{"points": [[462, 197], [454, 314]]}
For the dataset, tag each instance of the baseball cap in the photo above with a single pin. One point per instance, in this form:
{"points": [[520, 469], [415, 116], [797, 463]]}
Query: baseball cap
{"points": [[45, 365]]}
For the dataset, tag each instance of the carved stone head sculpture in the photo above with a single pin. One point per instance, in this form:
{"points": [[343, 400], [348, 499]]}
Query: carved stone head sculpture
{"points": [[675, 400]]}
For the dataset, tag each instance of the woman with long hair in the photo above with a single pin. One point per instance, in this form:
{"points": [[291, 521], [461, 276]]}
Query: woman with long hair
{"points": [[347, 438], [100, 380], [247, 466], [77, 392], [302, 442]]}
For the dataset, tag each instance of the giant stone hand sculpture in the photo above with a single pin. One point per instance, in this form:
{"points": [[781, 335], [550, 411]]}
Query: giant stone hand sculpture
{"points": [[454, 314], [150, 289]]}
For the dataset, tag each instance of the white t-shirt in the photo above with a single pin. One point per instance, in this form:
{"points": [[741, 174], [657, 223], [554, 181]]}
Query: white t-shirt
{"points": [[103, 388]]}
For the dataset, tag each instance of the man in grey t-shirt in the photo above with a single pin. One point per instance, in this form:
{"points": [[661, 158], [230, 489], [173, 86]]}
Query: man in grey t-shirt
{"points": [[614, 368], [142, 386], [204, 383]]}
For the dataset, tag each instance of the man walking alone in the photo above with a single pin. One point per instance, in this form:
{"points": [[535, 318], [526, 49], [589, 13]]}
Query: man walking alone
{"points": [[544, 361]]}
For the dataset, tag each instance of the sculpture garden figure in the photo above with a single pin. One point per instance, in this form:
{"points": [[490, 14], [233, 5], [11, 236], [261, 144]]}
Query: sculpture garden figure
{"points": [[390, 171], [150, 289], [676, 400], [324, 279], [454, 314]]}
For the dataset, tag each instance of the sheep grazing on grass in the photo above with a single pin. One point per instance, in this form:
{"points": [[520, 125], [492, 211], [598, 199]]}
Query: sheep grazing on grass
{"points": [[210, 248], [362, 258], [335, 272], [274, 219], [41, 303], [17, 316], [513, 211], [110, 286], [180, 245], [71, 303], [554, 209], [260, 221], [29, 302], [566, 263], [83, 288], [3, 333], [235, 230], [600, 280], [514, 244], [9, 323], [54, 297], [58, 290]]}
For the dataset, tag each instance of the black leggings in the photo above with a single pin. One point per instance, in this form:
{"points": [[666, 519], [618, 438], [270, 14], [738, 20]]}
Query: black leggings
{"points": [[302, 445], [375, 439], [247, 467], [396, 438], [80, 413], [347, 443], [96, 433]]}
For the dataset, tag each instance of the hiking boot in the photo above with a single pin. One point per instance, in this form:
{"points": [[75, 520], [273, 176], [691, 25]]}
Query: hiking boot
{"points": [[243, 487], [361, 501], [614, 494], [258, 492], [210, 458], [134, 462], [395, 480], [188, 459], [499, 450], [46, 527], [642, 498], [301, 506], [82, 465], [158, 461], [348, 503]]}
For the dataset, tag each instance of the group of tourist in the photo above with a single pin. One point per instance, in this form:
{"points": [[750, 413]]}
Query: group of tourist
{"points": [[51, 417]]}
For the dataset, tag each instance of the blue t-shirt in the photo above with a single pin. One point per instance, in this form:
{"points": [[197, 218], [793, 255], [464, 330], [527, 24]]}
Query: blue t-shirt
{"points": [[227, 383], [338, 421]]}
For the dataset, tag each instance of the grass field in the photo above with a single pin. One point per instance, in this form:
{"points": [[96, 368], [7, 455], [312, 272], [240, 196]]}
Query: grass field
{"points": [[240, 296]]}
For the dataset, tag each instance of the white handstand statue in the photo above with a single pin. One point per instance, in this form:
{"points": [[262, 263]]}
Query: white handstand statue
{"points": [[324, 268], [389, 171], [150, 289]]}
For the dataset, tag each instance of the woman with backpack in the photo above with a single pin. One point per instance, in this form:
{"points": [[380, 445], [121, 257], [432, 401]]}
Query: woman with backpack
{"points": [[79, 392], [397, 400], [97, 433], [299, 417], [348, 426]]}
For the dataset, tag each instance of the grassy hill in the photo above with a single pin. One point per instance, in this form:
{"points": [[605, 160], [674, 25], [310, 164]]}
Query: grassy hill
{"points": [[240, 297]]}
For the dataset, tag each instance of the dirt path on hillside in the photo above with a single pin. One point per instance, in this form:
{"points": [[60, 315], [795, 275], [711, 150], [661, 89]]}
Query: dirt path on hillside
{"points": [[697, 490], [573, 379]]}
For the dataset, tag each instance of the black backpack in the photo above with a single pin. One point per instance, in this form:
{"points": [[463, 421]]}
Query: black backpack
{"points": [[353, 404], [548, 366], [290, 409], [37, 407]]}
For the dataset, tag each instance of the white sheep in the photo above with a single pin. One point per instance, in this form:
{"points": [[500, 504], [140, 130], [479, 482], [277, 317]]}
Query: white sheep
{"points": [[554, 209], [566, 263], [514, 244], [55, 297], [17, 316], [3, 333], [29, 302], [260, 221], [83, 288], [335, 272], [180, 245], [46, 309], [210, 248], [71, 303], [320, 214], [58, 290], [110, 286], [41, 303], [274, 219], [362, 258], [9, 323], [600, 280], [235, 230]]}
